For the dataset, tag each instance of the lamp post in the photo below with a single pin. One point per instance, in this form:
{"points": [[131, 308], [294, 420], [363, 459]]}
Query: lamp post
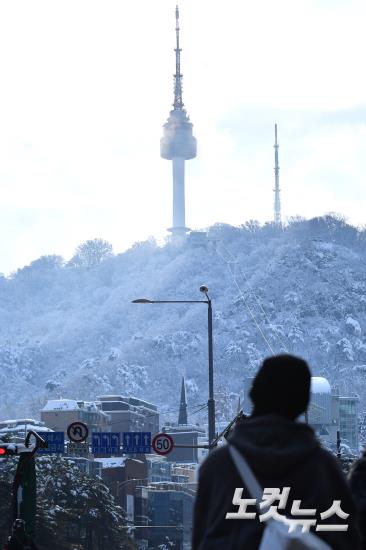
{"points": [[211, 400], [132, 480]]}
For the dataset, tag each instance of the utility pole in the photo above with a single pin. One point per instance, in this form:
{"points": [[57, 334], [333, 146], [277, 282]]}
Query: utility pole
{"points": [[211, 400], [24, 484]]}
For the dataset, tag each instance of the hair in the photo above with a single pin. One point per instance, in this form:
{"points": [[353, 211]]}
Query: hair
{"points": [[281, 386]]}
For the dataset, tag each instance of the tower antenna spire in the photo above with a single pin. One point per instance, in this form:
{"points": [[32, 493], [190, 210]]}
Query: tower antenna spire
{"points": [[178, 77], [277, 201]]}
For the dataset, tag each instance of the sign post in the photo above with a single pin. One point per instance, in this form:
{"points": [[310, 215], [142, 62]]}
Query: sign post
{"points": [[24, 492]]}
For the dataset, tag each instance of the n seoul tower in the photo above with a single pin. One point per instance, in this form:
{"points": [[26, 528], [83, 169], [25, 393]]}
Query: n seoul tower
{"points": [[178, 143]]}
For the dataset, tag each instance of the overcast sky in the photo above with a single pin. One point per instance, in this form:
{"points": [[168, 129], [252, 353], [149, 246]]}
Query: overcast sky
{"points": [[87, 85]]}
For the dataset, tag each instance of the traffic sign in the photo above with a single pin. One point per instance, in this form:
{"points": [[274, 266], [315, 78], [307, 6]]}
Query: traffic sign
{"points": [[78, 449], [55, 443], [162, 444], [105, 443], [137, 442], [77, 432]]}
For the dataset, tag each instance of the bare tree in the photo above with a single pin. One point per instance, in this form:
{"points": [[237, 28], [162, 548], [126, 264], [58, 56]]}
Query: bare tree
{"points": [[92, 253]]}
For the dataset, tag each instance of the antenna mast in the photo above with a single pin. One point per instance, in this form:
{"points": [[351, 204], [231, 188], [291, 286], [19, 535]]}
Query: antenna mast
{"points": [[277, 201], [178, 77]]}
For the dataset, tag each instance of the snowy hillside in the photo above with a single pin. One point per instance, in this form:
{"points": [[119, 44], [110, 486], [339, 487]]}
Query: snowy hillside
{"points": [[70, 329]]}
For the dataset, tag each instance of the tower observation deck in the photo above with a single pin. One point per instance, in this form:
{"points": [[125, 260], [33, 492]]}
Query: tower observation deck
{"points": [[178, 143]]}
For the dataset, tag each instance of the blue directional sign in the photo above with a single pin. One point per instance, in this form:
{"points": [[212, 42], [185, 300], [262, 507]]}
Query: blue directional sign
{"points": [[136, 442], [105, 443], [55, 440]]}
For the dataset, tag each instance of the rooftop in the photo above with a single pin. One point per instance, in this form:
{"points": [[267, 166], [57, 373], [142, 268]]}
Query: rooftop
{"points": [[61, 405], [320, 385], [112, 462]]}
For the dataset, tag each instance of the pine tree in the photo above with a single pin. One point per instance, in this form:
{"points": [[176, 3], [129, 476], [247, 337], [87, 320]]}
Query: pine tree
{"points": [[73, 509]]}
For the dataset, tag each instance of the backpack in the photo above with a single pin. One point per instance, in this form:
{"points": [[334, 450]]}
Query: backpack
{"points": [[276, 534]]}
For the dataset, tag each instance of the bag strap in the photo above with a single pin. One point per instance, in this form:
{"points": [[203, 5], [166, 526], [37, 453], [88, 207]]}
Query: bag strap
{"points": [[246, 475]]}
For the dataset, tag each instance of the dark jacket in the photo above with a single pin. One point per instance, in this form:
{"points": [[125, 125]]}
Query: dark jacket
{"points": [[357, 481], [281, 453]]}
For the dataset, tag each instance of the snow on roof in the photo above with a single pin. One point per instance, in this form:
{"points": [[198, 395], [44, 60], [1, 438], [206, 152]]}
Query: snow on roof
{"points": [[112, 462], [16, 421], [61, 405], [319, 385], [25, 427]]}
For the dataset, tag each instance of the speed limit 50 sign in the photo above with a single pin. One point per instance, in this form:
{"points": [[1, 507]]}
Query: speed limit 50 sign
{"points": [[162, 444]]}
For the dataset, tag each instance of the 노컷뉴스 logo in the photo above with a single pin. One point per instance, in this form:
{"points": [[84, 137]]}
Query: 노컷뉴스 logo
{"points": [[305, 518]]}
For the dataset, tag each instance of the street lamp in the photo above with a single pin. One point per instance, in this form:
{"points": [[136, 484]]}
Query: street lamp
{"points": [[132, 480], [211, 400]]}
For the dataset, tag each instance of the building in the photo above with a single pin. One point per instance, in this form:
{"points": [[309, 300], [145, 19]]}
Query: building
{"points": [[158, 468], [178, 144], [348, 421], [198, 239], [141, 517], [189, 435], [88, 466], [331, 414], [185, 473], [129, 414], [122, 475], [320, 406], [170, 510], [17, 428], [58, 414]]}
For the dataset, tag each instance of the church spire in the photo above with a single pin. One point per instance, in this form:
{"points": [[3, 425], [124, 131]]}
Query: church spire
{"points": [[183, 416]]}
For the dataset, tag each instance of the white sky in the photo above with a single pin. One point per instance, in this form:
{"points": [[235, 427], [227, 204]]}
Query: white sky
{"points": [[87, 85]]}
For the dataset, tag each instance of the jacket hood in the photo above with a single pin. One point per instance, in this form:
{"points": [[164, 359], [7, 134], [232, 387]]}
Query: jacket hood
{"points": [[272, 443]]}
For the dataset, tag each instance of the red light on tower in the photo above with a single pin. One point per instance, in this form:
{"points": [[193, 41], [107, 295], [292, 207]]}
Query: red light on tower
{"points": [[2, 451]]}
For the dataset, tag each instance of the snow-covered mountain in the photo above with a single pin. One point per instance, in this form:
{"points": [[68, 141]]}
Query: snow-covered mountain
{"points": [[70, 329]]}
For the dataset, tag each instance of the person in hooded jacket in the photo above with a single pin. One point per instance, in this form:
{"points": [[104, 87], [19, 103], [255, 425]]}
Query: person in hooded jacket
{"points": [[281, 453], [357, 482]]}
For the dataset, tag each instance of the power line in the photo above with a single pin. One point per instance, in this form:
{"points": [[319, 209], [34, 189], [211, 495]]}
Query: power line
{"points": [[201, 406], [233, 261], [229, 263], [251, 312], [273, 328]]}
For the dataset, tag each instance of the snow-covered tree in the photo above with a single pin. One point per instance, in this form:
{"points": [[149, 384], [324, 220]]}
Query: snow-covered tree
{"points": [[74, 332], [73, 509]]}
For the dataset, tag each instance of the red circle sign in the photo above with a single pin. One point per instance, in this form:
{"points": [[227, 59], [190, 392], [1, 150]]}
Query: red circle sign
{"points": [[162, 444]]}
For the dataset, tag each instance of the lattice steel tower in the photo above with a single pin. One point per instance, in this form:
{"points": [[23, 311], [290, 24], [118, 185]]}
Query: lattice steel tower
{"points": [[178, 143], [277, 201]]}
